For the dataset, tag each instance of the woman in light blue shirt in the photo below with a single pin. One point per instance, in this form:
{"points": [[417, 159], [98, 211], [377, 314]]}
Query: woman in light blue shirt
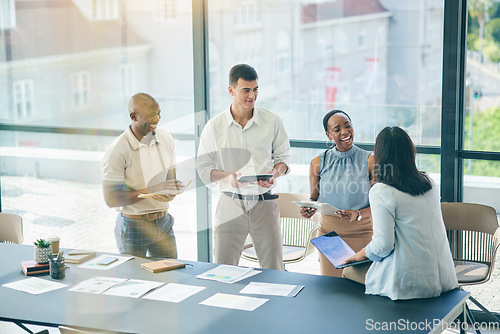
{"points": [[340, 176], [409, 248]]}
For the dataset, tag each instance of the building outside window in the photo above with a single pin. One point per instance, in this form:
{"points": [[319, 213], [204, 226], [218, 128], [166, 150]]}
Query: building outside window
{"points": [[248, 13], [104, 9], [23, 98], [80, 86], [127, 79], [166, 9], [7, 14]]}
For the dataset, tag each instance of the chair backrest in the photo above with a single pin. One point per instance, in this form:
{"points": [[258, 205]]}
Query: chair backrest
{"points": [[473, 232], [11, 228], [296, 230], [75, 330]]}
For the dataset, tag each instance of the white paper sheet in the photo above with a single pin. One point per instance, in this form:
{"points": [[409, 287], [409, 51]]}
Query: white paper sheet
{"points": [[92, 264], [97, 285], [234, 302], [323, 208], [272, 289], [174, 292], [34, 285], [132, 288], [228, 274]]}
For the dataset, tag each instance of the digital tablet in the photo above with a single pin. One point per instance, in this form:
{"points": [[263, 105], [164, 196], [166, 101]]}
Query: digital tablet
{"points": [[253, 178], [335, 249]]}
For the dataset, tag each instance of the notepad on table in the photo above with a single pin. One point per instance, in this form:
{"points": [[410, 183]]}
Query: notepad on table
{"points": [[78, 256], [162, 265]]}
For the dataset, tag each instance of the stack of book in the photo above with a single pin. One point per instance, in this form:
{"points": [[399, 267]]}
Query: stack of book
{"points": [[78, 256], [31, 268], [162, 265]]}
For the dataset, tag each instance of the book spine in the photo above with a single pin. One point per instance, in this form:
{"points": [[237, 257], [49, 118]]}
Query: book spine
{"points": [[38, 268], [39, 272]]}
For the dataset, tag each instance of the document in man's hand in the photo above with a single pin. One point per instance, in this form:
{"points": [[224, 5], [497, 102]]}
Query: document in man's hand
{"points": [[335, 249], [171, 192], [323, 208]]}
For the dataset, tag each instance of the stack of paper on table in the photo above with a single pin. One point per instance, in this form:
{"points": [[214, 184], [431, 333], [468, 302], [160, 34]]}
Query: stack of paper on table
{"points": [[78, 256], [323, 208]]}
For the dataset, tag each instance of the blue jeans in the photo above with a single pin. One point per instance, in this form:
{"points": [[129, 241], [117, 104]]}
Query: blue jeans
{"points": [[138, 237]]}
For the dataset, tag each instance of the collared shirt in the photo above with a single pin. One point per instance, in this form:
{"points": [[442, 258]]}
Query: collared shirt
{"points": [[254, 149], [140, 165], [410, 250]]}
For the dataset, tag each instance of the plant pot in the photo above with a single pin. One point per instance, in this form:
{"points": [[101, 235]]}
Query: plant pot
{"points": [[42, 255]]}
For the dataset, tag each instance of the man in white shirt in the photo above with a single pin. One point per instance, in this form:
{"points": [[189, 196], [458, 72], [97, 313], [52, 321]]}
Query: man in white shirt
{"points": [[244, 140], [141, 161]]}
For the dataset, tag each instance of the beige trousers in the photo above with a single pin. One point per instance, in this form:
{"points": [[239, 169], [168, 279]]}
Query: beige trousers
{"points": [[356, 234], [235, 219]]}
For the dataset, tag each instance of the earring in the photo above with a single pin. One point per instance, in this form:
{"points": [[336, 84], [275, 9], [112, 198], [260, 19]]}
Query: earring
{"points": [[328, 144]]}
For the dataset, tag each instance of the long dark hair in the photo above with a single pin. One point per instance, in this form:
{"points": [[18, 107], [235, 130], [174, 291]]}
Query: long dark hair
{"points": [[395, 162]]}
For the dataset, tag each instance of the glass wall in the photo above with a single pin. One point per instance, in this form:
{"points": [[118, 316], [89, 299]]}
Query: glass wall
{"points": [[67, 71], [482, 103], [377, 62]]}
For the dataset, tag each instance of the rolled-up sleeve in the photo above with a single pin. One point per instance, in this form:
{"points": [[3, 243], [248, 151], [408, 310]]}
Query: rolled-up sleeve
{"points": [[206, 159], [383, 215], [281, 146]]}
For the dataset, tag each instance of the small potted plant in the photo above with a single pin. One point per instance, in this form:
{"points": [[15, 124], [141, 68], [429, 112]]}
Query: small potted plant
{"points": [[43, 252]]}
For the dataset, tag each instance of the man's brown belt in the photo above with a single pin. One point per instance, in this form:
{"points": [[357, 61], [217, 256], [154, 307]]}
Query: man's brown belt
{"points": [[147, 216]]}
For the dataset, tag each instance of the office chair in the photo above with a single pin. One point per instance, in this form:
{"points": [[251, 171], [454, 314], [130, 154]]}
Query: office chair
{"points": [[76, 330], [474, 237], [11, 228], [296, 230]]}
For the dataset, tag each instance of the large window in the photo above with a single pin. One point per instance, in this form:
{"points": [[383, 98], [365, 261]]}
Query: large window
{"points": [[482, 104], [7, 14], [80, 85], [68, 75], [23, 98], [377, 64]]}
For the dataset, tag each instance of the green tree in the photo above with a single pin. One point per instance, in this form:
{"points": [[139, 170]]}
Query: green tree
{"points": [[492, 30], [485, 137], [478, 9], [491, 50], [472, 42]]}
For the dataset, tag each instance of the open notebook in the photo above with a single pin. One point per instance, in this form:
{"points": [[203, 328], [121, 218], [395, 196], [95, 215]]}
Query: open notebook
{"points": [[335, 249]]}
